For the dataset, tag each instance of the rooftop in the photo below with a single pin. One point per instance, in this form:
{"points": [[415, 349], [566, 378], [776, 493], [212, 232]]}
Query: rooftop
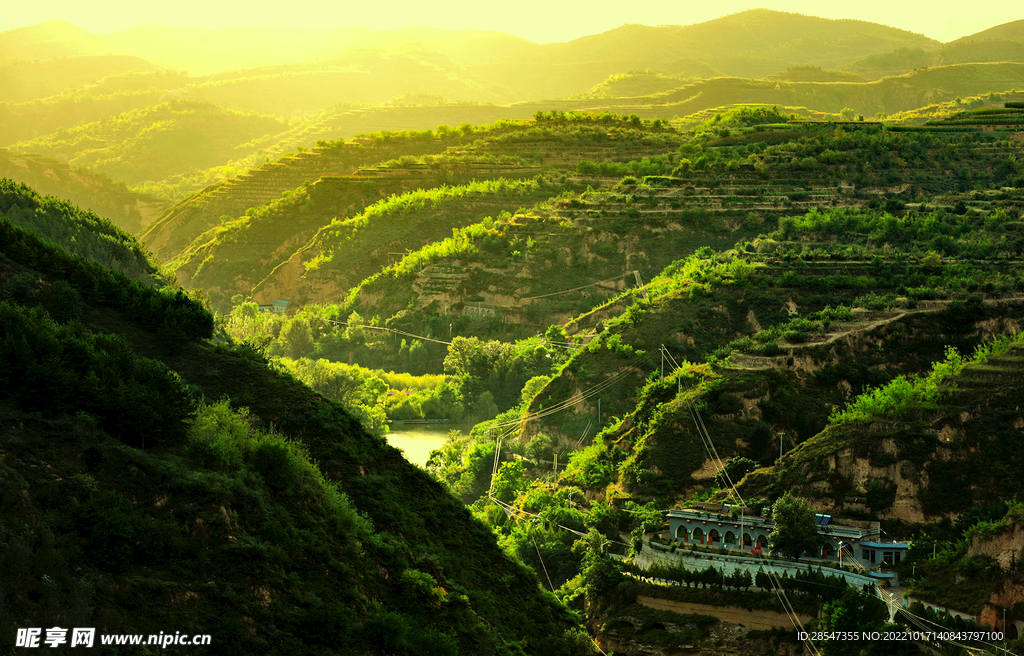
{"points": [[827, 525]]}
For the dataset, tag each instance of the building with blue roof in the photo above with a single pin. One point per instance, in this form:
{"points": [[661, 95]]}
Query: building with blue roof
{"points": [[732, 527]]}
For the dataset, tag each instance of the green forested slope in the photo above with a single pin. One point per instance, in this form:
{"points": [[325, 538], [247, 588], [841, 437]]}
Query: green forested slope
{"points": [[78, 231], [269, 520]]}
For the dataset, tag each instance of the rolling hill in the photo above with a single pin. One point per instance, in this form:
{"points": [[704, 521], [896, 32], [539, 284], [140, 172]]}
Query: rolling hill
{"points": [[92, 191], [159, 141]]}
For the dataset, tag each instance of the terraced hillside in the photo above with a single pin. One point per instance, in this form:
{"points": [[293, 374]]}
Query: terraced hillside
{"points": [[771, 389], [344, 252], [236, 256], [765, 311], [509, 151], [920, 448], [736, 183], [332, 262], [905, 60], [157, 142], [28, 80], [130, 210], [421, 88], [887, 95], [181, 224]]}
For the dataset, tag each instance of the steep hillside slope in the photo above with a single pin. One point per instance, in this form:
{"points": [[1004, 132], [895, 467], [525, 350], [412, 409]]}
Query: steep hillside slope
{"points": [[922, 448], [270, 521], [78, 231]]}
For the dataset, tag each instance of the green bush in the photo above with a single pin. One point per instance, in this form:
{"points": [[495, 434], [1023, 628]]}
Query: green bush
{"points": [[58, 368]]}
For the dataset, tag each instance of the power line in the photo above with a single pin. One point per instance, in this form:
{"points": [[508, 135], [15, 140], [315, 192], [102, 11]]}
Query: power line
{"points": [[574, 289]]}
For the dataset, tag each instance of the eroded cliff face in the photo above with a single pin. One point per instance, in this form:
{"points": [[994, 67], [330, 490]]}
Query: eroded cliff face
{"points": [[1007, 548], [902, 480]]}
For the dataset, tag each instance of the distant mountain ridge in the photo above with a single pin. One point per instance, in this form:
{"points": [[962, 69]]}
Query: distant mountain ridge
{"points": [[737, 42], [313, 85]]}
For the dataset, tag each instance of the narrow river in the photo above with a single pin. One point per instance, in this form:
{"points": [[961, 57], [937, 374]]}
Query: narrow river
{"points": [[418, 440]]}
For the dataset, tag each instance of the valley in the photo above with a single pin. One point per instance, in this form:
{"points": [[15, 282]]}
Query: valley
{"points": [[665, 340]]}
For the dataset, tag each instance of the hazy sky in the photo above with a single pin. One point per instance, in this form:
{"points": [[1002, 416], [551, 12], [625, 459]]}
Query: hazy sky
{"points": [[538, 20]]}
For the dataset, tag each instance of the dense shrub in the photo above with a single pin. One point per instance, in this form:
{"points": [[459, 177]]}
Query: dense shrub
{"points": [[58, 368]]}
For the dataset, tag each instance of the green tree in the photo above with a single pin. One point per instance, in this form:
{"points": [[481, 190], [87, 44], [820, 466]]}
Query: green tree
{"points": [[794, 531], [510, 481], [855, 612], [599, 574], [555, 333], [485, 408], [296, 340], [735, 469], [355, 332], [533, 386]]}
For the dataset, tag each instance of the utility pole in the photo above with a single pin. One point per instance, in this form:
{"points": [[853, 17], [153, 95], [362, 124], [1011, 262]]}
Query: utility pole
{"points": [[599, 414], [743, 542], [662, 349]]}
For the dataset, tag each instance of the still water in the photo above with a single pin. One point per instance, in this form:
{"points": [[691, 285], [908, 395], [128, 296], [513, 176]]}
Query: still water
{"points": [[418, 440]]}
